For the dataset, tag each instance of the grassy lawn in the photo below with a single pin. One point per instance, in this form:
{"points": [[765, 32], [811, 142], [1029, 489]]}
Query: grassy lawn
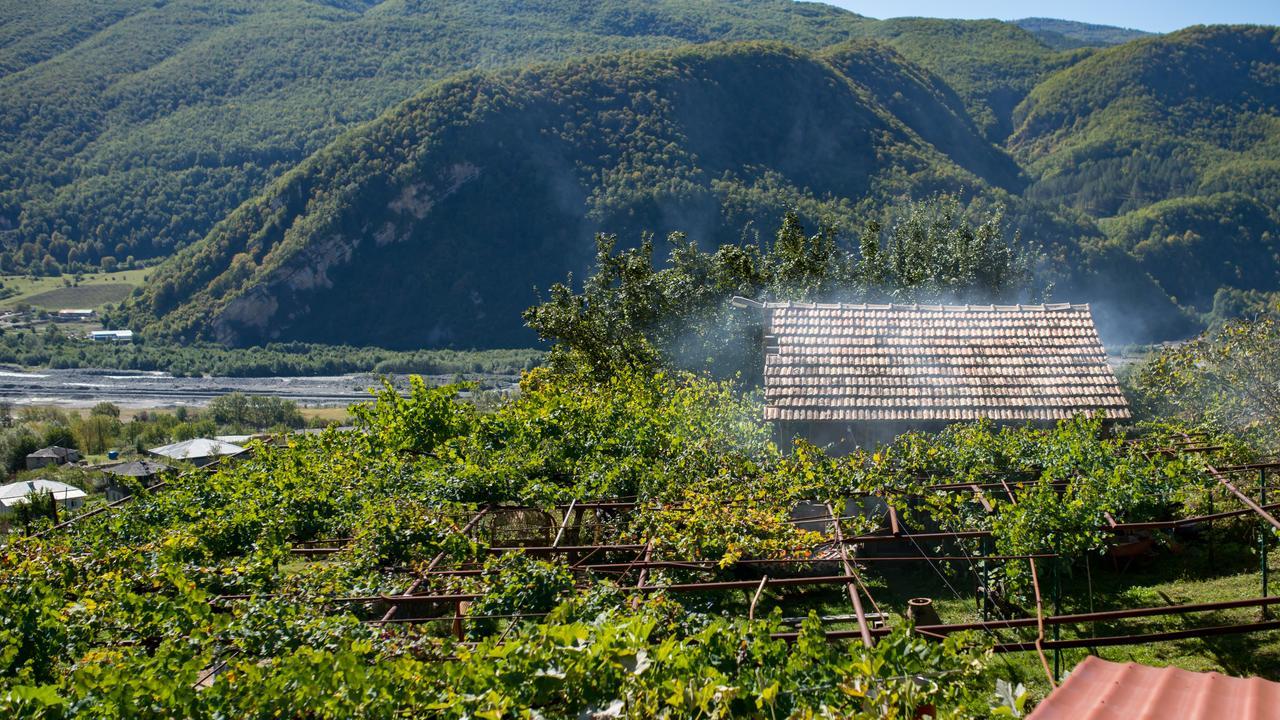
{"points": [[51, 293]]}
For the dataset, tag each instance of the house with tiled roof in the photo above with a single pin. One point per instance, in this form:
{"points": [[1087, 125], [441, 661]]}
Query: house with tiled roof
{"points": [[865, 373]]}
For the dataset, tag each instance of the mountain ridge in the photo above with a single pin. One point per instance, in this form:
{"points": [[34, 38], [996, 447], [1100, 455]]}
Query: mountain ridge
{"points": [[669, 157], [305, 164], [152, 121]]}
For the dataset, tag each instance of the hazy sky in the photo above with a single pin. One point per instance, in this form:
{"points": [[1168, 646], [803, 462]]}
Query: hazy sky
{"points": [[1152, 15]]}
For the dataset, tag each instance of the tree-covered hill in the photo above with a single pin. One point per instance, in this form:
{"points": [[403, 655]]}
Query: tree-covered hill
{"points": [[1174, 143], [128, 128], [442, 216], [310, 163]]}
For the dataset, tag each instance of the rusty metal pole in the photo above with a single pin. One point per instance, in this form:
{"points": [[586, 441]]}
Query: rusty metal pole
{"points": [[1262, 537], [1057, 608], [851, 573], [1213, 560]]}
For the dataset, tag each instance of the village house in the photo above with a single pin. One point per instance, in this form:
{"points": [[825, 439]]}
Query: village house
{"points": [[19, 493], [52, 455], [111, 336], [857, 375], [197, 451], [74, 315], [142, 471]]}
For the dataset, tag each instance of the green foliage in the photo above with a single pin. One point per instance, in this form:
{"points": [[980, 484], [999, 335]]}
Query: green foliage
{"points": [[38, 508], [1172, 139], [113, 617], [1226, 378], [390, 536], [570, 436], [1064, 481], [237, 410], [418, 423], [516, 584], [632, 313], [273, 359], [16, 443]]}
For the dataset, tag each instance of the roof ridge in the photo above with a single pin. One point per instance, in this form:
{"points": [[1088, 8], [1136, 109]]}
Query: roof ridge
{"points": [[918, 307]]}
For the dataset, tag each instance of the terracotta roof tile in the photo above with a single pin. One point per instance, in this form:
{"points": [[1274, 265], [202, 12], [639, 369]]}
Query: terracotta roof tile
{"points": [[922, 362]]}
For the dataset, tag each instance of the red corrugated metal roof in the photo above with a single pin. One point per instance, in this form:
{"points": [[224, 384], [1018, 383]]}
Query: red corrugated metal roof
{"points": [[1102, 690]]}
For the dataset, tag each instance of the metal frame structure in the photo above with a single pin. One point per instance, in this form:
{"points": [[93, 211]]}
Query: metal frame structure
{"points": [[418, 603]]}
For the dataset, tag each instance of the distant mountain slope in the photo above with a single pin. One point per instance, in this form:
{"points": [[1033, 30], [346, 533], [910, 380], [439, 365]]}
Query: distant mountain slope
{"points": [[130, 128], [440, 218], [992, 65], [1176, 139], [1068, 34]]}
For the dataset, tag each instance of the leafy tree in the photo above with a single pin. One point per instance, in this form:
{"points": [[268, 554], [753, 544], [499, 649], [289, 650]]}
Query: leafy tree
{"points": [[106, 409], [418, 423], [61, 435], [1227, 378], [631, 313], [95, 433]]}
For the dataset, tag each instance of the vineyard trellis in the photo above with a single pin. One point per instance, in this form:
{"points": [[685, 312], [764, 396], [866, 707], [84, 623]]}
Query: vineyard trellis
{"points": [[422, 601], [583, 536]]}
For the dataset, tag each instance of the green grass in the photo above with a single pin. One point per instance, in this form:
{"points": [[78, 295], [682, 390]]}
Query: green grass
{"points": [[93, 291]]}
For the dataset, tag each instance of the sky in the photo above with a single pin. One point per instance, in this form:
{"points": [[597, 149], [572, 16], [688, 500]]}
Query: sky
{"points": [[1150, 15]]}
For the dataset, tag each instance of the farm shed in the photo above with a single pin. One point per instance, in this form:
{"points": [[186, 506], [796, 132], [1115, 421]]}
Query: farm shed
{"points": [[52, 455], [857, 374], [198, 451], [1100, 690]]}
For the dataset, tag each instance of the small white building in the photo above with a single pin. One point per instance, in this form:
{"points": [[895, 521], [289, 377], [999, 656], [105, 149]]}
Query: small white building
{"points": [[111, 336], [14, 494], [74, 315]]}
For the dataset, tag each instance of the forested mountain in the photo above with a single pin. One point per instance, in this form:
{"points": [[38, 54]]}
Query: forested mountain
{"points": [[322, 162], [465, 198], [129, 128], [1174, 142]]}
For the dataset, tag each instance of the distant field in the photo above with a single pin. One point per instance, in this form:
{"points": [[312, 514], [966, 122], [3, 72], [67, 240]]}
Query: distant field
{"points": [[52, 293], [83, 296]]}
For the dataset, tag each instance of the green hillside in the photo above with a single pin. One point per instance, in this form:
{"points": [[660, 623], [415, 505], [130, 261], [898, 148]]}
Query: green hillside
{"points": [[413, 218], [130, 128], [304, 164], [992, 65], [1174, 142]]}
